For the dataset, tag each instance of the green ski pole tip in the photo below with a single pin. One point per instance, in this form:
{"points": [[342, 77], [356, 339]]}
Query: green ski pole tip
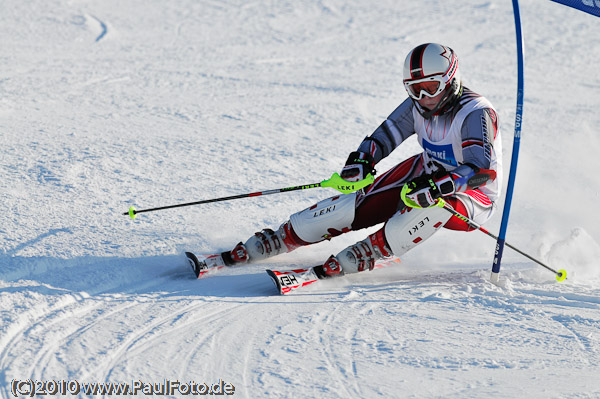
{"points": [[132, 212], [561, 275]]}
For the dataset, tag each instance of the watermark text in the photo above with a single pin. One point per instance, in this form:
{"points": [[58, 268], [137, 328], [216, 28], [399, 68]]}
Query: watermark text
{"points": [[31, 388]]}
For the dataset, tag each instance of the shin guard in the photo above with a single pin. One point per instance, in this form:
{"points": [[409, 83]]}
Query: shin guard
{"points": [[328, 218], [407, 229]]}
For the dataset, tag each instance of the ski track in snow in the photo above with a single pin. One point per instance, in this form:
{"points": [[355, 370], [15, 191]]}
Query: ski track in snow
{"points": [[119, 329], [103, 29], [110, 105]]}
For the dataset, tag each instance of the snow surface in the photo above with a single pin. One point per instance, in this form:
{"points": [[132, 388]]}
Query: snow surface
{"points": [[104, 105]]}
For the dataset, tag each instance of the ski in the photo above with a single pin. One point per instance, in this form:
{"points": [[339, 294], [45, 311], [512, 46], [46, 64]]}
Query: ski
{"points": [[285, 281], [293, 280], [207, 264]]}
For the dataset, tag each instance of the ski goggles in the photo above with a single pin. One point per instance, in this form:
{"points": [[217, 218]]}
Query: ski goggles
{"points": [[430, 86]]}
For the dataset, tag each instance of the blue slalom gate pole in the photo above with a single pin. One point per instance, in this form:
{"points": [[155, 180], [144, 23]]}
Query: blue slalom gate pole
{"points": [[515, 151]]}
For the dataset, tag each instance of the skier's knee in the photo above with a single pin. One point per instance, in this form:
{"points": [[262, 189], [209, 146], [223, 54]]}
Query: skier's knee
{"points": [[328, 218], [408, 228], [477, 209]]}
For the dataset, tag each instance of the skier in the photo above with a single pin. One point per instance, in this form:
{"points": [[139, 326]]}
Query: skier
{"points": [[461, 162]]}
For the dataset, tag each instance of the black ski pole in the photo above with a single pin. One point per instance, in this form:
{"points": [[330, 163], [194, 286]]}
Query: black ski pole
{"points": [[335, 181], [560, 274]]}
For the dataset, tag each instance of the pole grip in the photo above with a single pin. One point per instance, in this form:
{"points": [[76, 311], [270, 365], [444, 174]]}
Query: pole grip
{"points": [[346, 187]]}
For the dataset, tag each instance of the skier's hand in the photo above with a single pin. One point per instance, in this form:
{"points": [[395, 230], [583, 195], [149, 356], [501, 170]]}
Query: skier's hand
{"points": [[425, 190], [358, 166]]}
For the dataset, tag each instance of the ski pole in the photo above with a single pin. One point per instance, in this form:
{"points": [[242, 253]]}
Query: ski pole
{"points": [[335, 181], [560, 274]]}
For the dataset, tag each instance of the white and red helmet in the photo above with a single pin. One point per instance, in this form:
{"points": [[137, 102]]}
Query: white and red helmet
{"points": [[429, 70]]}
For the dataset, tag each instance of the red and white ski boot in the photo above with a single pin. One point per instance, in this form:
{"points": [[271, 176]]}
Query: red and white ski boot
{"points": [[210, 263]]}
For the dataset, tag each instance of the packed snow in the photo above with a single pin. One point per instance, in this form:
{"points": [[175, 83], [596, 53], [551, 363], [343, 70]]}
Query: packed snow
{"points": [[112, 104]]}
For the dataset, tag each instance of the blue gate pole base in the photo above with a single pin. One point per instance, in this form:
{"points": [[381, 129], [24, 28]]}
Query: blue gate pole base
{"points": [[495, 276]]}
